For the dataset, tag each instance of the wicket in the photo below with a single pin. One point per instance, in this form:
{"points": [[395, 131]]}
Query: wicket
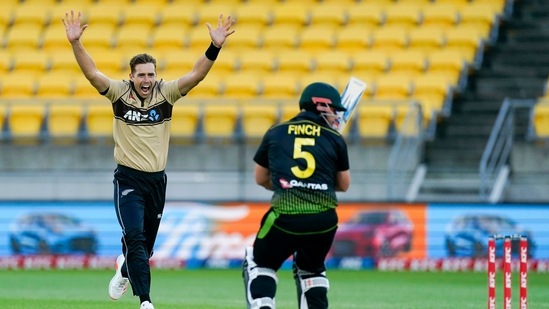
{"points": [[507, 270]]}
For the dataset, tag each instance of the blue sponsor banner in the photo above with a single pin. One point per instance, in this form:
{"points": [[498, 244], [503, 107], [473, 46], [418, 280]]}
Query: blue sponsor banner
{"points": [[462, 230]]}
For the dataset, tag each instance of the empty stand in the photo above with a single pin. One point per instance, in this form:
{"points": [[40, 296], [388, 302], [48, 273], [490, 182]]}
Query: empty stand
{"points": [[17, 85], [54, 39], [220, 121], [226, 63], [260, 62], [447, 64], [178, 15], [280, 86], [247, 38], [5, 61], [210, 13], [133, 38], [366, 14], [98, 37], [209, 88], [54, 85], [256, 15], [541, 118], [280, 37], [332, 62], [184, 123], [64, 122], [465, 39], [257, 119], [426, 39], [390, 38], [440, 15], [314, 39], [294, 14], [241, 86], [481, 16], [405, 15], [393, 87], [140, 14], [82, 89], [370, 63], [22, 37], [178, 63], [107, 14], [36, 14], [374, 120], [297, 62], [25, 122], [330, 15], [99, 121], [167, 38], [354, 38], [30, 62], [431, 91], [408, 62], [63, 62]]}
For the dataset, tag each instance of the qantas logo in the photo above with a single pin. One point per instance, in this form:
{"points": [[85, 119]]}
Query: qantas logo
{"points": [[296, 183]]}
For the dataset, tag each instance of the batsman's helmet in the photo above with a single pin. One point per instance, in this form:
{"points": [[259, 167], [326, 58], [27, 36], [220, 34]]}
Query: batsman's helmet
{"points": [[320, 93]]}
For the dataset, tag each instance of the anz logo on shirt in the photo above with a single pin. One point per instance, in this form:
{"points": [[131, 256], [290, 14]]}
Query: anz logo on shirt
{"points": [[136, 116]]}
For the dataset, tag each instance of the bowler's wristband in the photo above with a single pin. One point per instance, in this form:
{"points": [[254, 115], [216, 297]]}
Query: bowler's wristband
{"points": [[212, 52]]}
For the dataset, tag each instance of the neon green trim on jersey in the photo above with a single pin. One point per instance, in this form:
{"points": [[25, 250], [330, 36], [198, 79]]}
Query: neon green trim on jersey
{"points": [[269, 222]]}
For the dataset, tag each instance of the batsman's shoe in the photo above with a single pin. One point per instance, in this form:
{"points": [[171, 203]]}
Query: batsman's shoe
{"points": [[119, 284], [146, 305]]}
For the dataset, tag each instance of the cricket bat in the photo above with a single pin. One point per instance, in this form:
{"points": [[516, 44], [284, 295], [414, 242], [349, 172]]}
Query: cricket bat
{"points": [[349, 99]]}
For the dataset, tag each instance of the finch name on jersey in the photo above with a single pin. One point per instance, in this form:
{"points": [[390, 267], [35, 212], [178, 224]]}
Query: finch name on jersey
{"points": [[304, 129]]}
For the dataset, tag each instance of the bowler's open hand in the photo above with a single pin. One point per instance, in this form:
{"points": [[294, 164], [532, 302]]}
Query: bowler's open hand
{"points": [[222, 31], [72, 26]]}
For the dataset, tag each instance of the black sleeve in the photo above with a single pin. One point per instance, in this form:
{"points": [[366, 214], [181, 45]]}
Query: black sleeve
{"points": [[343, 160], [262, 154]]}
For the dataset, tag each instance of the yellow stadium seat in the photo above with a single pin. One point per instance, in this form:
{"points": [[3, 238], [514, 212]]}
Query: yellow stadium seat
{"points": [[98, 36], [6, 14], [431, 92], [448, 64], [456, 3], [52, 85], [226, 62], [466, 40], [426, 39], [390, 38], [110, 62], [440, 15], [82, 89], [180, 62], [54, 39], [23, 37], [167, 38], [370, 63], [280, 86], [247, 38], [481, 16], [17, 85], [408, 62], [25, 122], [30, 62], [208, 88], [133, 38], [355, 38], [333, 62], [5, 61], [541, 119], [3, 115], [179, 15], [184, 123], [103, 13], [405, 15], [366, 14], [198, 38], [99, 119], [255, 15], [210, 14], [295, 14], [280, 37], [64, 121], [332, 15], [314, 77], [374, 120], [256, 61], [257, 119], [288, 111], [314, 39], [63, 61], [498, 5], [241, 86], [58, 11], [37, 14], [219, 120], [392, 87], [144, 14], [294, 61]]}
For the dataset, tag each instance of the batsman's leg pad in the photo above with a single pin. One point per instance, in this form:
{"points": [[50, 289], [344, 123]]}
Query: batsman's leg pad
{"points": [[260, 283], [312, 289]]}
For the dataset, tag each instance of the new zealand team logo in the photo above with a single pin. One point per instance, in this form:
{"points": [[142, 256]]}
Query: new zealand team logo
{"points": [[153, 115], [136, 116]]}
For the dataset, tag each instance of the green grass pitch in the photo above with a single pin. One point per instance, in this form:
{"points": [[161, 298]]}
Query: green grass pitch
{"points": [[223, 289]]}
